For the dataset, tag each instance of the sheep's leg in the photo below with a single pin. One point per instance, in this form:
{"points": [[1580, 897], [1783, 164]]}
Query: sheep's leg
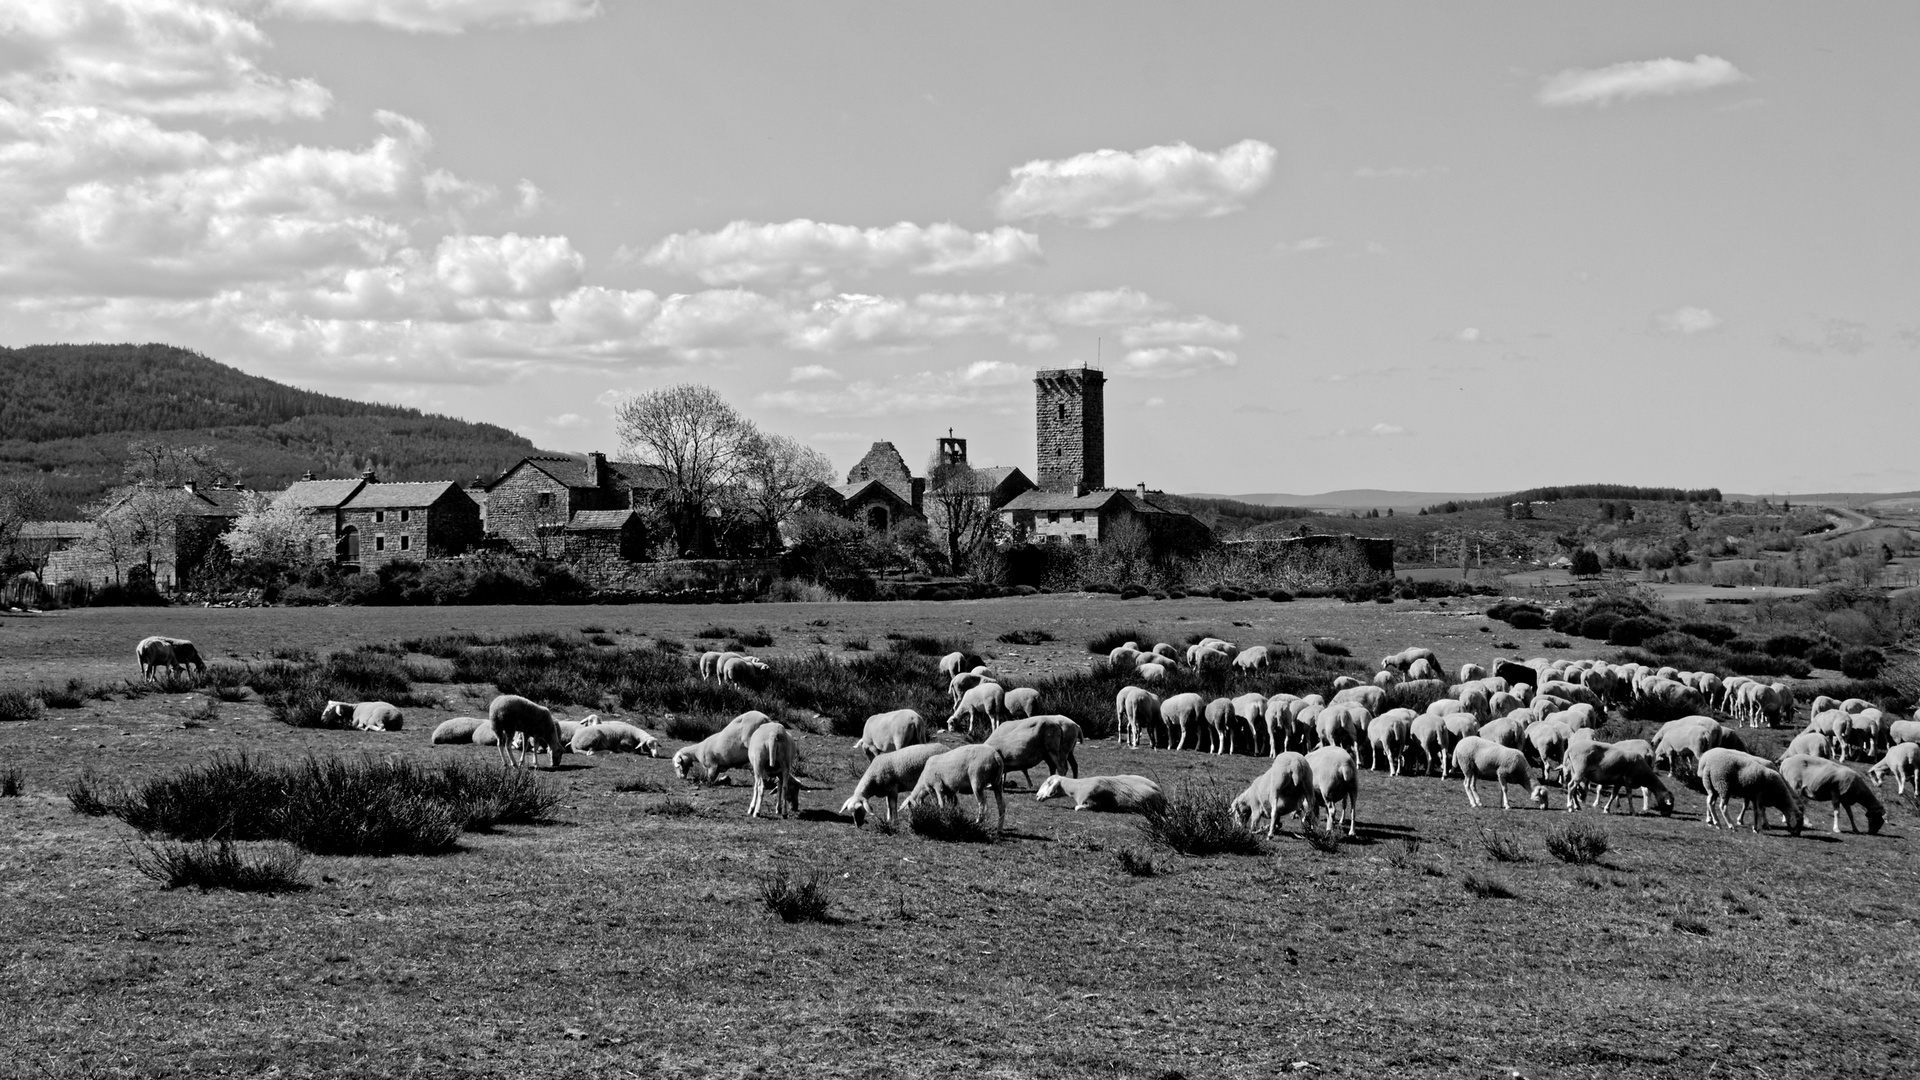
{"points": [[1504, 804]]}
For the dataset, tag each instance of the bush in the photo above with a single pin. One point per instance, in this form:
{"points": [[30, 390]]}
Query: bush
{"points": [[1518, 614], [946, 822], [1501, 847], [1132, 592], [1634, 630], [1586, 563], [1711, 632], [1486, 886], [270, 868], [1599, 626], [1025, 637], [1556, 643], [19, 705], [1323, 838], [1577, 843], [71, 696], [795, 898], [1280, 596], [716, 633], [758, 638], [13, 783], [1788, 645], [1198, 820], [1331, 648], [1862, 662], [1136, 861], [1102, 644]]}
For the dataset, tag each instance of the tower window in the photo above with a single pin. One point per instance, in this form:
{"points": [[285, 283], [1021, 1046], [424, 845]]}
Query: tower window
{"points": [[1062, 406]]}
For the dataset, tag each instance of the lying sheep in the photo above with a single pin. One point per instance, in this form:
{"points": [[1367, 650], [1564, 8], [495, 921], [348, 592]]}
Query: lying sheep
{"points": [[1285, 788], [613, 737], [985, 702], [1038, 740], [888, 776], [1819, 780], [460, 729], [366, 716], [512, 716], [965, 770], [1903, 761], [1135, 710], [1023, 702], [1727, 774], [889, 731], [1117, 794], [1479, 759], [1336, 786], [1151, 672], [771, 754], [705, 761]]}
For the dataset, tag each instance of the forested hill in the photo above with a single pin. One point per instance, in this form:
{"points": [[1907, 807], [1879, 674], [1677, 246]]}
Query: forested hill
{"points": [[67, 413]]}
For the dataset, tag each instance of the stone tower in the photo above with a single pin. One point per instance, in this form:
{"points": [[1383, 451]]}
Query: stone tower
{"points": [[1070, 429]]}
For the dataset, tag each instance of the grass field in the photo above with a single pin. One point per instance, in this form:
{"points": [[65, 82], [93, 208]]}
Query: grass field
{"points": [[627, 936]]}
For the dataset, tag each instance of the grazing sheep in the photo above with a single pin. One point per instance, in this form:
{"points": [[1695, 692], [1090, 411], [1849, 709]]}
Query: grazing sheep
{"points": [[1343, 683], [1617, 767], [1470, 672], [366, 716], [1126, 652], [1479, 759], [1387, 738], [1867, 733], [1508, 731], [1548, 740], [1135, 710], [1834, 725], [1038, 740], [1456, 726], [1206, 658], [172, 653], [613, 737], [1336, 785], [1447, 707], [1429, 733], [1151, 672], [1387, 680], [1903, 761], [987, 701], [1254, 659], [725, 749], [1809, 744], [889, 731], [1283, 732], [1726, 774], [1819, 780], [1023, 701], [1403, 660], [1285, 788], [460, 729], [1681, 742], [1422, 669], [1904, 731], [1372, 698], [1500, 703], [956, 662], [511, 716], [1342, 725], [710, 663], [888, 776], [749, 671], [770, 753], [1125, 794], [1821, 703], [1250, 718], [964, 770], [1180, 714], [1166, 653]]}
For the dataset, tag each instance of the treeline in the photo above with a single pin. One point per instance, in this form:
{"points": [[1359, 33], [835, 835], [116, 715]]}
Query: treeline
{"points": [[1231, 517], [1579, 491]]}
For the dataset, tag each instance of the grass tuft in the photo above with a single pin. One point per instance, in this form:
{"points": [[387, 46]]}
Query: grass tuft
{"points": [[1331, 648], [1136, 861], [1025, 637], [1408, 857], [1486, 886], [1323, 839], [795, 898], [757, 638], [947, 822], [13, 783], [715, 633], [1104, 643], [672, 806], [634, 785], [856, 644], [1686, 924], [71, 696], [1197, 820], [208, 864], [1501, 847], [19, 705], [1578, 843]]}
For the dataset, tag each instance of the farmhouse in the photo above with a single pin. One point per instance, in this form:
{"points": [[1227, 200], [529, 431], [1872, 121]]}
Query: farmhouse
{"points": [[530, 506], [385, 522]]}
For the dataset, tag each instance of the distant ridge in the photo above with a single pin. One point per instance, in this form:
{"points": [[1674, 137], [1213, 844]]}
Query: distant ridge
{"points": [[1357, 499]]}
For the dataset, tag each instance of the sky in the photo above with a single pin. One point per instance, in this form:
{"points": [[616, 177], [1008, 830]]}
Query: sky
{"points": [[1460, 247]]}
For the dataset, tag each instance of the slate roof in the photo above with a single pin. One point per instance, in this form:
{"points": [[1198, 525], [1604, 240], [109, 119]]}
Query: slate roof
{"points": [[600, 520], [318, 494], [54, 530], [850, 492], [403, 496], [217, 502], [1044, 501], [570, 470]]}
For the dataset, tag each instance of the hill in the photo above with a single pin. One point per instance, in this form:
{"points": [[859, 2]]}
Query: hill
{"points": [[1361, 499], [67, 413]]}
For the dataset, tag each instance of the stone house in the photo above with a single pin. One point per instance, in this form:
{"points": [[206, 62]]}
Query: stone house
{"points": [[880, 491], [529, 506], [321, 501], [385, 522], [205, 514], [1064, 517]]}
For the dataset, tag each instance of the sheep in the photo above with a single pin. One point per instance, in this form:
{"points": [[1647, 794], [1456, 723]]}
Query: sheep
{"points": [[770, 753], [1615, 768], [1903, 761], [747, 671], [1455, 726], [1681, 742], [1206, 658], [1549, 739], [1422, 669], [1166, 653], [1371, 697], [710, 663], [1135, 709], [1866, 733], [1387, 680], [889, 731], [1151, 672], [1818, 780], [1342, 683], [1470, 672], [725, 749], [1250, 715], [613, 737], [1039, 740], [888, 776], [964, 770], [1404, 659], [1283, 733], [1500, 703], [956, 662], [1180, 714], [1833, 725], [154, 653], [1429, 734], [366, 716], [1903, 731], [1128, 652], [1475, 700], [1478, 759], [1821, 703], [1022, 702], [1387, 737], [1285, 788], [1342, 726], [958, 685], [987, 701], [1808, 744], [1335, 784], [1726, 773], [1506, 731], [1254, 659], [1126, 794], [483, 735], [459, 730], [1447, 707], [511, 715]]}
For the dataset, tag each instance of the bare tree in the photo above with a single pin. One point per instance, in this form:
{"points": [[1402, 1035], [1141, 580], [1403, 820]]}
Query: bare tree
{"points": [[700, 442], [21, 500], [112, 538], [960, 512], [776, 474], [156, 464]]}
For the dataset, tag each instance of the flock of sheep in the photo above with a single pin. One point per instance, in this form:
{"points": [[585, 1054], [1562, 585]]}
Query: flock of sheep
{"points": [[1493, 728]]}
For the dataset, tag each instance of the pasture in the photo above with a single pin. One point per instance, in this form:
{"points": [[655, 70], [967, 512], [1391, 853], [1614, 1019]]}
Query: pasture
{"points": [[626, 936]]}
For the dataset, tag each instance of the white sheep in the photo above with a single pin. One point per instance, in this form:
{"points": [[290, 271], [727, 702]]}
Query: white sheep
{"points": [[612, 737], [1903, 761], [1151, 672], [725, 749], [1250, 715], [1549, 739], [1038, 740], [749, 671], [1126, 794], [1615, 768], [1387, 738], [710, 663], [1471, 672], [1285, 788], [956, 662], [1429, 733], [1253, 659], [1282, 732], [965, 770], [1166, 653], [1508, 731], [1809, 744], [889, 731], [1904, 731], [366, 716], [511, 716], [889, 776], [171, 653], [1180, 714], [1372, 697], [1479, 759], [1727, 773], [961, 682], [1404, 659], [1819, 780], [1336, 785], [460, 729], [771, 754], [987, 701], [1135, 710], [1022, 702]]}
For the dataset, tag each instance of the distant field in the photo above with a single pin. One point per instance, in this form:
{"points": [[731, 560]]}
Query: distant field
{"points": [[618, 942]]}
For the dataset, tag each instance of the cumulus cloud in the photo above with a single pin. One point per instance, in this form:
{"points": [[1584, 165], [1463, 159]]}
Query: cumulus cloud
{"points": [[1176, 361], [992, 373], [1160, 182], [1470, 335], [811, 373], [1644, 78], [1687, 321], [568, 421], [1377, 431], [438, 16], [1195, 330], [745, 252]]}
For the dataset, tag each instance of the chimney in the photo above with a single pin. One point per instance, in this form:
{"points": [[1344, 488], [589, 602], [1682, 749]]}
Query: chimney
{"points": [[1143, 491], [596, 468], [308, 476], [477, 482], [369, 477]]}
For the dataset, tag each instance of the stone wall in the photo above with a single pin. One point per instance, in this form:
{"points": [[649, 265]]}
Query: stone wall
{"points": [[1070, 429]]}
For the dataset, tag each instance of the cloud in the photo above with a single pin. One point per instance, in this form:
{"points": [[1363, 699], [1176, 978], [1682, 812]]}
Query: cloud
{"points": [[1158, 183], [568, 421], [1687, 321], [992, 373], [1377, 431], [1307, 246], [811, 373], [1399, 172], [1471, 335], [438, 16], [1836, 336], [745, 252], [1198, 329], [1176, 361], [1645, 78]]}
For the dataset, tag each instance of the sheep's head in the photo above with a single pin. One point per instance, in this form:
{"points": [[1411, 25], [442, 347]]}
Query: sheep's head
{"points": [[1540, 797], [649, 746], [687, 764], [1876, 817], [855, 808], [335, 712], [1661, 798], [1050, 788]]}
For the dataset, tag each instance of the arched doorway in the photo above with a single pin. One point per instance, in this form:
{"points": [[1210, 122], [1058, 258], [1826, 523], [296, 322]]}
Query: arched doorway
{"points": [[877, 518]]}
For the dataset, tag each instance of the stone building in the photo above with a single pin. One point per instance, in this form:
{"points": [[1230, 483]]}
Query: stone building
{"points": [[385, 522], [1070, 429], [603, 545], [880, 491], [529, 506], [319, 501], [1061, 517], [205, 514]]}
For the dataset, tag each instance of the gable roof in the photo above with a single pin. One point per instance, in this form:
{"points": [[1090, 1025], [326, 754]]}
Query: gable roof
{"points": [[54, 530], [1093, 500], [218, 502], [318, 494], [400, 496], [570, 471], [600, 520], [864, 488]]}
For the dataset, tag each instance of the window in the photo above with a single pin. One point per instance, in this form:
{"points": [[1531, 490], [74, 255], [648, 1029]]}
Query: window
{"points": [[406, 515], [1063, 410], [1079, 515], [544, 500], [1080, 538], [380, 543], [1053, 516], [405, 542], [379, 516]]}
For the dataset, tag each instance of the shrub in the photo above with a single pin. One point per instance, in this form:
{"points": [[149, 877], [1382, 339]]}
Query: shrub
{"points": [[19, 705], [1132, 592], [1577, 843], [1862, 662], [1323, 838], [1408, 857], [13, 783], [1634, 630], [1711, 632], [715, 633], [758, 638], [89, 797], [71, 696], [1025, 637], [1280, 596], [1197, 820], [1136, 861], [208, 864], [947, 822], [1486, 886], [1556, 643], [794, 898], [855, 644], [1501, 847], [1788, 645], [1598, 626], [1331, 648], [672, 806]]}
